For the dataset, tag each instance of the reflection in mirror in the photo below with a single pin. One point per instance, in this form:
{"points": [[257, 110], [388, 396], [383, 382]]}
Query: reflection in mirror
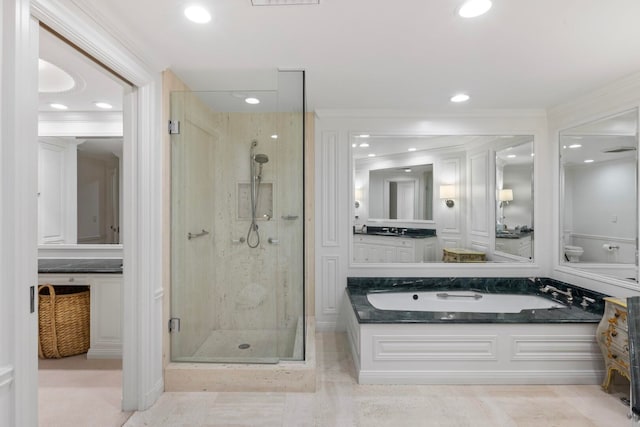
{"points": [[404, 193], [514, 201], [599, 198], [421, 199], [79, 190]]}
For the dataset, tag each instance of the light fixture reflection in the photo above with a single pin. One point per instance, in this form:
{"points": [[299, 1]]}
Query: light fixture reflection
{"points": [[473, 8]]}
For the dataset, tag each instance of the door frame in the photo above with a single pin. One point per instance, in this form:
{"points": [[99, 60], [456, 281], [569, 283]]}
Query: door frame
{"points": [[141, 222]]}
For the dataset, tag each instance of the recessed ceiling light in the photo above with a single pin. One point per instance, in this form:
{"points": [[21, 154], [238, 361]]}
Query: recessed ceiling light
{"points": [[354, 145], [252, 100], [104, 105], [274, 136], [372, 155], [412, 149], [197, 14], [511, 156], [532, 154], [461, 97], [407, 170], [588, 161], [364, 135], [575, 146], [364, 145], [58, 106], [473, 8]]}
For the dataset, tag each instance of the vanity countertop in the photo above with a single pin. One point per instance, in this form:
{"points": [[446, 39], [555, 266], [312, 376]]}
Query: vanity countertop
{"points": [[411, 233], [80, 265], [513, 234]]}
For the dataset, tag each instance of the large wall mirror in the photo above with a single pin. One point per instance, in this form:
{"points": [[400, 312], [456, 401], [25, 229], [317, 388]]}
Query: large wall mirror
{"points": [[599, 214], [428, 199], [514, 200]]}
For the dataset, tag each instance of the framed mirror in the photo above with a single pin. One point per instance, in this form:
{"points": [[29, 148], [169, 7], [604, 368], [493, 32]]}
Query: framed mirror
{"points": [[514, 200], [432, 199], [599, 204]]}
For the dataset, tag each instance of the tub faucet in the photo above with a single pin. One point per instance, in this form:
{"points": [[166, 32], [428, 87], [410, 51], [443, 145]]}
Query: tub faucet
{"points": [[586, 300], [555, 291]]}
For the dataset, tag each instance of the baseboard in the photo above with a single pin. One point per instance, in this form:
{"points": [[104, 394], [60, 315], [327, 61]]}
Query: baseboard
{"points": [[104, 353], [482, 377]]}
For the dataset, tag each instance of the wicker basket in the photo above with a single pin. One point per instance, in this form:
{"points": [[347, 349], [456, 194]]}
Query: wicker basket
{"points": [[63, 321]]}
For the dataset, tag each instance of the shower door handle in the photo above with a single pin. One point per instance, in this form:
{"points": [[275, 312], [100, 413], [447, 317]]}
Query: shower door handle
{"points": [[273, 241]]}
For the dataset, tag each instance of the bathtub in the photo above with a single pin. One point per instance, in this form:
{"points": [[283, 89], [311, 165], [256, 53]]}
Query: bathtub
{"points": [[484, 331], [460, 301]]}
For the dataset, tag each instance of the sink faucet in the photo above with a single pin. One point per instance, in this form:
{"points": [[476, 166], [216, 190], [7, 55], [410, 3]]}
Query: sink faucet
{"points": [[555, 291]]}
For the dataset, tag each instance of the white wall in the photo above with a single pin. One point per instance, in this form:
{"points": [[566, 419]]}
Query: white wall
{"points": [[599, 211], [334, 200]]}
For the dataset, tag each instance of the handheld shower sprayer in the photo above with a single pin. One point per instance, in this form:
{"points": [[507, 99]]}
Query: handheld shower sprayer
{"points": [[256, 178]]}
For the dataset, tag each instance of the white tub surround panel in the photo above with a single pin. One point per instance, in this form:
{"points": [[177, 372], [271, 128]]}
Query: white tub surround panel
{"points": [[496, 353]]}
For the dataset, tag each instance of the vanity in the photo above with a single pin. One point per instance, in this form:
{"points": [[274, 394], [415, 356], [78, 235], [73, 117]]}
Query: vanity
{"points": [[400, 245], [104, 278], [519, 244]]}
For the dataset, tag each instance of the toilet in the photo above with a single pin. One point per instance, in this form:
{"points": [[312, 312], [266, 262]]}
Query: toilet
{"points": [[573, 252]]}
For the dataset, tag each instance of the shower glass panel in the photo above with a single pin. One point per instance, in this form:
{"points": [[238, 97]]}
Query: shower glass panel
{"points": [[237, 228]]}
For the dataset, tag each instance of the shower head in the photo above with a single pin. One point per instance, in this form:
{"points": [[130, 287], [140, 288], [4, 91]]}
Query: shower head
{"points": [[261, 158]]}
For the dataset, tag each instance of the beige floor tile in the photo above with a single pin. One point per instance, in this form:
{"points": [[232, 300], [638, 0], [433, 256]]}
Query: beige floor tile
{"points": [[340, 402]]}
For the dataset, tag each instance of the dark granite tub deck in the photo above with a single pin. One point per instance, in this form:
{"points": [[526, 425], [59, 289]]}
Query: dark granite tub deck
{"points": [[359, 287]]}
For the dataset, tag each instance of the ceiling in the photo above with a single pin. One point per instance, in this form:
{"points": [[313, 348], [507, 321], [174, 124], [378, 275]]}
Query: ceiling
{"points": [[90, 83], [403, 55]]}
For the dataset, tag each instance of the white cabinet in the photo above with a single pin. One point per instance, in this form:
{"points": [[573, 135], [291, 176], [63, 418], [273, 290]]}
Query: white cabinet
{"points": [[430, 249], [57, 192], [520, 247], [386, 249], [106, 310]]}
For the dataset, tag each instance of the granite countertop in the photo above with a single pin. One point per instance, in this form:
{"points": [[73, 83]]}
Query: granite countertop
{"points": [[513, 234], [412, 233], [68, 266], [358, 287]]}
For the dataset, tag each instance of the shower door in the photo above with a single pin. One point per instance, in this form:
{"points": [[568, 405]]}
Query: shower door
{"points": [[237, 225]]}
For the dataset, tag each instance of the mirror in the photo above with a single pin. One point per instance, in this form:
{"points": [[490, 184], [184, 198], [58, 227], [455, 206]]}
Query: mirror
{"points": [[420, 199], [599, 196], [514, 200], [401, 193]]}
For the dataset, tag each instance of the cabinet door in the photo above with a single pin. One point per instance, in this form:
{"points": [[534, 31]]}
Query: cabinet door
{"points": [[106, 317], [57, 193], [381, 253], [360, 252], [405, 255], [430, 249]]}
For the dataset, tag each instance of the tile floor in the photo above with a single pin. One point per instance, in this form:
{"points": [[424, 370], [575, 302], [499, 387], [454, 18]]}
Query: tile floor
{"points": [[340, 401], [80, 392]]}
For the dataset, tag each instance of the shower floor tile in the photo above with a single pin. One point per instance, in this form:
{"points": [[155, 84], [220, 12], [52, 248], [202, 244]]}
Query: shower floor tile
{"points": [[237, 345]]}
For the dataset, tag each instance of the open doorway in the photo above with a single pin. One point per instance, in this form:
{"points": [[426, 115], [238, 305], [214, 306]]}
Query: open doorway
{"points": [[80, 164]]}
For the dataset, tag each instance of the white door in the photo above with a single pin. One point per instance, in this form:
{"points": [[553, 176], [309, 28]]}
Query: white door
{"points": [[18, 215]]}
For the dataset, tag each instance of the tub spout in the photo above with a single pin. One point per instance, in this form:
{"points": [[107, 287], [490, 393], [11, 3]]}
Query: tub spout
{"points": [[555, 291]]}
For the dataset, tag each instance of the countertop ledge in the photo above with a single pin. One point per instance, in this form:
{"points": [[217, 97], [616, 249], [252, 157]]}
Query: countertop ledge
{"points": [[84, 266]]}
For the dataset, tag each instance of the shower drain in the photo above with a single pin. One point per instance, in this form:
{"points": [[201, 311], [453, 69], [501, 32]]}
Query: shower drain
{"points": [[244, 346]]}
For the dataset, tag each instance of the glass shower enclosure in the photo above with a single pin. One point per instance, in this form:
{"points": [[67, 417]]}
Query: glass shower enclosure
{"points": [[237, 224]]}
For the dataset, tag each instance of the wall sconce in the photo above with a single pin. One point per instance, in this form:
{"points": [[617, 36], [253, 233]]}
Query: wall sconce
{"points": [[448, 192], [505, 196]]}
